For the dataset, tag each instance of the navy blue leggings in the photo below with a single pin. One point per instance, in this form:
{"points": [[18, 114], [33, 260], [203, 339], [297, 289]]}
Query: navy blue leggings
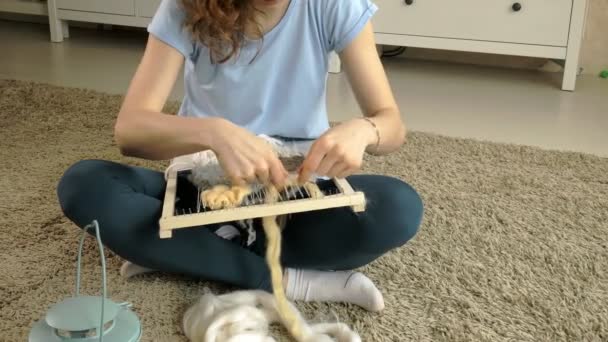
{"points": [[127, 202]]}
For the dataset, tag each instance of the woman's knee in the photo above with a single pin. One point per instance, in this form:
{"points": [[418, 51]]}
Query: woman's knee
{"points": [[409, 210], [76, 182], [395, 212]]}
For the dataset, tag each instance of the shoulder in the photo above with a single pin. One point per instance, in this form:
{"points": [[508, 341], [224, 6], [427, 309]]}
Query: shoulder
{"points": [[168, 26], [170, 11], [329, 4], [335, 9], [341, 20]]}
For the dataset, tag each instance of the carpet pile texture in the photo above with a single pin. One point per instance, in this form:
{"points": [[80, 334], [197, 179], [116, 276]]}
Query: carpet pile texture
{"points": [[513, 246]]}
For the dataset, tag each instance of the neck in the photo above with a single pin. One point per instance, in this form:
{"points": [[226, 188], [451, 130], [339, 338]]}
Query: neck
{"points": [[271, 15]]}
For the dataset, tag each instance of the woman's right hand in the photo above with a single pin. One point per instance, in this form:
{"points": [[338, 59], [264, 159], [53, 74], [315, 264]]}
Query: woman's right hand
{"points": [[245, 157]]}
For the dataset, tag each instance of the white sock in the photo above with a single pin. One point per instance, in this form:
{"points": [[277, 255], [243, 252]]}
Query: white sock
{"points": [[129, 269], [327, 286], [227, 232]]}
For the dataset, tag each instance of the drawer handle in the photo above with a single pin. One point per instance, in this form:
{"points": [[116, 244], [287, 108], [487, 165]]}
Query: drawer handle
{"points": [[409, 2], [517, 7]]}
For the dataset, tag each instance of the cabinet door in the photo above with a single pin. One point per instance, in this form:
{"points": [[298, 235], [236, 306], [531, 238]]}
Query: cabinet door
{"points": [[542, 22], [146, 8], [123, 7]]}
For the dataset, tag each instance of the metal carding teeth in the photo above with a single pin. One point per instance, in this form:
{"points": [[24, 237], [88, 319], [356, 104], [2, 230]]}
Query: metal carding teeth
{"points": [[285, 195], [198, 200], [297, 191], [292, 191], [307, 192]]}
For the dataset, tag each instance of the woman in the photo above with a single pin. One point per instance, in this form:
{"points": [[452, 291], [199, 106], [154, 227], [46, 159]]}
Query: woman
{"points": [[254, 67]]}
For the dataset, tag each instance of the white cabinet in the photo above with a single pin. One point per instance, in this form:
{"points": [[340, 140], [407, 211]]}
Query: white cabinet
{"points": [[32, 7], [123, 7], [536, 28], [117, 12], [146, 8], [544, 22]]}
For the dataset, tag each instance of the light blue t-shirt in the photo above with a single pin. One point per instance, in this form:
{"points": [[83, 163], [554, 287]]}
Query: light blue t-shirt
{"points": [[282, 92]]}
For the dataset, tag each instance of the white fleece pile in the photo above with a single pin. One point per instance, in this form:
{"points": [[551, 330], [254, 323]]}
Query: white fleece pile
{"points": [[245, 316]]}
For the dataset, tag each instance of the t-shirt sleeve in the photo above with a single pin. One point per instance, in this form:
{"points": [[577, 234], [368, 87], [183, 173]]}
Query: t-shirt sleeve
{"points": [[343, 20], [167, 25]]}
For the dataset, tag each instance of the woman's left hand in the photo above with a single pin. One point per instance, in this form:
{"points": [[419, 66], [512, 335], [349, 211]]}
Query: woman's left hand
{"points": [[339, 152]]}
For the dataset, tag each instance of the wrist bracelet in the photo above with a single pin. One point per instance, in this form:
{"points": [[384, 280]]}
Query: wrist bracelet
{"points": [[377, 132]]}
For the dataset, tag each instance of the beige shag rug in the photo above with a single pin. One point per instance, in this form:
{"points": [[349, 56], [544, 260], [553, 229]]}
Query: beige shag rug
{"points": [[513, 247]]}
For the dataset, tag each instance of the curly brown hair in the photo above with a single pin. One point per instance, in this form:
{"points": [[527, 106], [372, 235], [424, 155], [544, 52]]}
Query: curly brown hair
{"points": [[220, 25]]}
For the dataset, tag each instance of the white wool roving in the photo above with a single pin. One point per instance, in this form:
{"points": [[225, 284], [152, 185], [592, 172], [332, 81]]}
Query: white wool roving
{"points": [[245, 316]]}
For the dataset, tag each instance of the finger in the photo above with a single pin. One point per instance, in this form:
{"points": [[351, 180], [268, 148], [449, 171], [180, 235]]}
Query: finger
{"points": [[241, 178], [250, 177], [262, 173], [330, 161], [337, 170], [346, 172], [312, 161], [237, 168], [245, 174], [277, 172], [233, 175], [237, 180]]}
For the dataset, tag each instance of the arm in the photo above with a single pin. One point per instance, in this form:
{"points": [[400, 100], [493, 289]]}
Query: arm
{"points": [[142, 129], [370, 85], [339, 152]]}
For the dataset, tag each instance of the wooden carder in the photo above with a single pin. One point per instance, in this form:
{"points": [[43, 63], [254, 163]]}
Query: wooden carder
{"points": [[183, 207]]}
